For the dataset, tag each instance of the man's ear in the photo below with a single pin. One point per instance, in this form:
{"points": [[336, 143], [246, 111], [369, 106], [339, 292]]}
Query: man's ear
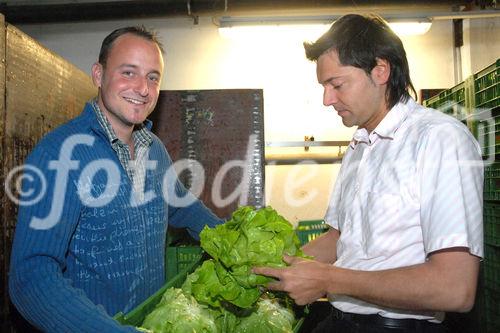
{"points": [[381, 72], [97, 71]]}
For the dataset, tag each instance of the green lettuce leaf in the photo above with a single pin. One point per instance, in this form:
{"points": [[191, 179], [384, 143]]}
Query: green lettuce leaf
{"points": [[212, 284], [269, 317], [179, 313], [250, 238]]}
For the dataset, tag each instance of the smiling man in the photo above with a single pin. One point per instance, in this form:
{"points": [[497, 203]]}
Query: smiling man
{"points": [[94, 243], [406, 213], [128, 77]]}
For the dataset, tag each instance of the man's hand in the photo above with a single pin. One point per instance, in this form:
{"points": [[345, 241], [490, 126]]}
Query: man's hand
{"points": [[304, 280]]}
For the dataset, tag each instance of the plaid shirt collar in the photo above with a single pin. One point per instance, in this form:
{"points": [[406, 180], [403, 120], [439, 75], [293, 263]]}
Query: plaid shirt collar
{"points": [[141, 136]]}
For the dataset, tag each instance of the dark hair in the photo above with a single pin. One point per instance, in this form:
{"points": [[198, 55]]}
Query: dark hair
{"points": [[140, 31], [359, 40]]}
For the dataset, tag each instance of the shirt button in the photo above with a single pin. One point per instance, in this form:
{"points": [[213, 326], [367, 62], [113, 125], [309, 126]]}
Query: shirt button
{"points": [[356, 187]]}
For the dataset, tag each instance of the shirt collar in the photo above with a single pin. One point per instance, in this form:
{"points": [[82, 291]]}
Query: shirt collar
{"points": [[388, 127], [141, 135], [104, 122]]}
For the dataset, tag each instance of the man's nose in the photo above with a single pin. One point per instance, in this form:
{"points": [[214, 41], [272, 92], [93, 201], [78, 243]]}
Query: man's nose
{"points": [[329, 96], [142, 87]]}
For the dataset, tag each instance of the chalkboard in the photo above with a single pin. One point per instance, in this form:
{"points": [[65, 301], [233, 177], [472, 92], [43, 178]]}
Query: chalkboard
{"points": [[221, 131]]}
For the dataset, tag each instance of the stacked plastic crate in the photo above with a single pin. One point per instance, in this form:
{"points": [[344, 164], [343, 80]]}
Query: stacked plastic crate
{"points": [[307, 230], [486, 115], [455, 101], [181, 251], [487, 131], [450, 101], [178, 258], [476, 102]]}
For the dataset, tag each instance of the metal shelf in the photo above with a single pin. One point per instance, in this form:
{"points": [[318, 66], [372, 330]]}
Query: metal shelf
{"points": [[305, 157]]}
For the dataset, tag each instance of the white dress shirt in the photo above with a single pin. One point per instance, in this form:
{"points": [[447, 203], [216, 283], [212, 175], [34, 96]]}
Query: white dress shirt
{"points": [[412, 186]]}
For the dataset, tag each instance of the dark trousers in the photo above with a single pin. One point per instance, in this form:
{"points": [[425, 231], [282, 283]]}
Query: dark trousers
{"points": [[348, 323]]}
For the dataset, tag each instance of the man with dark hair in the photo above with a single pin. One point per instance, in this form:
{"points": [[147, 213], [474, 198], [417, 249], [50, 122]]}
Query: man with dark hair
{"points": [[94, 243], [405, 217]]}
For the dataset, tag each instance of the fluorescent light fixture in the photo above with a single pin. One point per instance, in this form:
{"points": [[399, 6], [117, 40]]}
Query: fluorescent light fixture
{"points": [[230, 21], [408, 28], [303, 32], [304, 26]]}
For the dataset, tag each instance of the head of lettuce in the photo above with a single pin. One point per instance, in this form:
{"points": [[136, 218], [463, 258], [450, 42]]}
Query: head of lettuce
{"points": [[252, 237]]}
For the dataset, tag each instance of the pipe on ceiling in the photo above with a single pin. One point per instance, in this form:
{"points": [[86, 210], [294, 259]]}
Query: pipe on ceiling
{"points": [[69, 11]]}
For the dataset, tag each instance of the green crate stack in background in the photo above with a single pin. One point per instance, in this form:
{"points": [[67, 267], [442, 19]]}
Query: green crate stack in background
{"points": [[307, 230], [491, 220], [491, 190], [487, 131], [450, 101], [486, 102], [487, 87], [492, 268], [492, 300], [481, 102]]}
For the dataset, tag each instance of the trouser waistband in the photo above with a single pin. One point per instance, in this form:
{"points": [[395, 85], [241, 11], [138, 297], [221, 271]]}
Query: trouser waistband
{"points": [[377, 320]]}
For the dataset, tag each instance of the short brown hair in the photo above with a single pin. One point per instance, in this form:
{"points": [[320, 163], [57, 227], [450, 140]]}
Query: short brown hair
{"points": [[140, 31]]}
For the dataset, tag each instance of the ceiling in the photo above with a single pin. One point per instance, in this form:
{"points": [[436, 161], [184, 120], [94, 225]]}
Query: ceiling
{"points": [[52, 11]]}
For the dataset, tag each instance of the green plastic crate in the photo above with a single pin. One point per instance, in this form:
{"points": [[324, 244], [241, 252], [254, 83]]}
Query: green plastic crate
{"points": [[491, 190], [492, 170], [491, 210], [492, 267], [178, 258], [491, 221], [311, 224], [455, 101], [489, 123], [492, 305], [491, 137], [308, 230], [487, 133], [491, 153], [482, 122], [435, 101], [487, 87], [450, 101], [483, 95], [137, 315]]}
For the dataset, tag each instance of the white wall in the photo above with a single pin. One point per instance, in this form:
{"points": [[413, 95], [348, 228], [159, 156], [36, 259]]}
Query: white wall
{"points": [[197, 57], [481, 44]]}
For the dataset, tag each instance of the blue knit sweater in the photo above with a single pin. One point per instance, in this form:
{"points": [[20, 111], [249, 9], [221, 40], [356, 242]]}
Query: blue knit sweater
{"points": [[88, 249]]}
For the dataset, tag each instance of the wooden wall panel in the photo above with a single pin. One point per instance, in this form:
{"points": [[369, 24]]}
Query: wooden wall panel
{"points": [[3, 199], [41, 91]]}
